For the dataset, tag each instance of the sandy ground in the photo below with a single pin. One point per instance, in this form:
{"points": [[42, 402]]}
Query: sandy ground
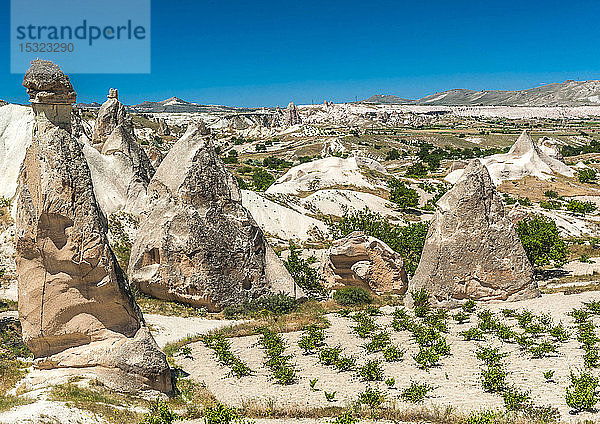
{"points": [[168, 329], [457, 381], [48, 412]]}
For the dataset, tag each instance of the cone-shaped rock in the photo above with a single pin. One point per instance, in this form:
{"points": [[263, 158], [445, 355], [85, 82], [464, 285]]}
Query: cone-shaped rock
{"points": [[111, 114], [472, 250], [74, 303], [199, 245]]}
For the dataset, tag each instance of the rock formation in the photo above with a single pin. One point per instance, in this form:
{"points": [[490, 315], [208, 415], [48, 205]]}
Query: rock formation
{"points": [[163, 128], [111, 114], [199, 245], [523, 159], [472, 250], [75, 306], [291, 116], [119, 154], [364, 261]]}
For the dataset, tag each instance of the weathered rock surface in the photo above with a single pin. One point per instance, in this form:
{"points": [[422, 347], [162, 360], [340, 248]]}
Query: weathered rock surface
{"points": [[291, 116], [46, 83], [119, 155], [163, 127], [75, 306], [111, 114], [472, 250], [364, 261], [199, 245]]}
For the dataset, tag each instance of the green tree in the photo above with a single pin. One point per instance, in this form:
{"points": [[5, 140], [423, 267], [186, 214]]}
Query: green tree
{"points": [[303, 273], [262, 179], [403, 195], [587, 175], [416, 170], [542, 243]]}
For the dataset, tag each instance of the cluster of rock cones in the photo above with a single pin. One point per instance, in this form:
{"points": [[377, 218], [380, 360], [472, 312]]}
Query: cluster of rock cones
{"points": [[196, 242]]}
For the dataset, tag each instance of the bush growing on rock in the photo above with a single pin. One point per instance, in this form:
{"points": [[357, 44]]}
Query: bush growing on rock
{"points": [[581, 393], [305, 276], [542, 243]]}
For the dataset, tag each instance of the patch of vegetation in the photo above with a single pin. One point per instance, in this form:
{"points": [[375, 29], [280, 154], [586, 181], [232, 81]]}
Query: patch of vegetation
{"points": [[277, 304], [281, 369], [159, 414], [587, 175], [406, 240], [371, 371], [581, 393], [401, 194], [312, 339], [222, 350], [416, 392], [222, 414], [305, 276], [262, 179], [581, 208], [542, 243], [351, 296]]}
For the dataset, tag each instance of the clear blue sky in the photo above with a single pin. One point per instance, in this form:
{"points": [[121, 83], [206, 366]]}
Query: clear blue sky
{"points": [[255, 53]]}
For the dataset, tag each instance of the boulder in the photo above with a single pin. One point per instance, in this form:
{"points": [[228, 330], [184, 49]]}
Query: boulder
{"points": [[364, 261], [75, 306], [199, 245], [111, 114], [472, 250]]}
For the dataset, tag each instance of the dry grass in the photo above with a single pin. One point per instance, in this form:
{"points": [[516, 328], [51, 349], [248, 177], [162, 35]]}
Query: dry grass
{"points": [[534, 188], [150, 305]]}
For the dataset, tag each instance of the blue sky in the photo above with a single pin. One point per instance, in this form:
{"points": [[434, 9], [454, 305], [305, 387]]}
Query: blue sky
{"points": [[264, 53]]}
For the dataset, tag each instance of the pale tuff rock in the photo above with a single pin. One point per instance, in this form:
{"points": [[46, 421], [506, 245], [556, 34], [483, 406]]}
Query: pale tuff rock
{"points": [[364, 261], [525, 158], [551, 147], [163, 127], [111, 114], [16, 124], [75, 306], [472, 250], [291, 116], [332, 147], [119, 155], [198, 244]]}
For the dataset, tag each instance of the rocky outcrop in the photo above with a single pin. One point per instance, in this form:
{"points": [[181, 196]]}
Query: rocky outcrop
{"points": [[525, 158], [291, 116], [364, 261], [472, 250], [111, 114], [119, 154], [199, 245], [163, 127], [75, 306]]}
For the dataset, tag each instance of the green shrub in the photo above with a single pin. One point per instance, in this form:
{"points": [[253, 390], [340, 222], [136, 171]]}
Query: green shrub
{"points": [[416, 392], [330, 396], [472, 334], [345, 363], [390, 382], [417, 170], [541, 240], [393, 354], [346, 418], [373, 398], [486, 417], [278, 304], [305, 276], [407, 240], [542, 349], [402, 195], [350, 296], [493, 378], [579, 207], [587, 175], [222, 414], [581, 393], [461, 317], [330, 355], [160, 414], [427, 358], [469, 306], [221, 348], [489, 356], [515, 399], [378, 342], [313, 338], [262, 179], [371, 371], [273, 344], [549, 375]]}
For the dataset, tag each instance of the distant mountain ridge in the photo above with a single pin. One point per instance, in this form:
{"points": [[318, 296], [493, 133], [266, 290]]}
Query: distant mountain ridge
{"points": [[569, 93]]}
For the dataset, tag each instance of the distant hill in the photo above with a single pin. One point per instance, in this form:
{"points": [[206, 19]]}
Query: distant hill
{"points": [[388, 99], [568, 93], [88, 105], [177, 105]]}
